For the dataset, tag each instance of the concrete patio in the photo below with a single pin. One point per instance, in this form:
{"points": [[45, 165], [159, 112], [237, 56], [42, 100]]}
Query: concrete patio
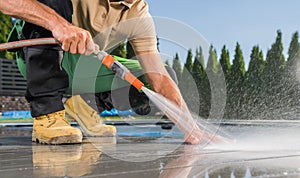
{"points": [[152, 156]]}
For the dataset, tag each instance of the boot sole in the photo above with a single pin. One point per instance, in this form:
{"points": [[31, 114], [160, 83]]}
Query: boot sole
{"points": [[87, 132], [73, 139]]}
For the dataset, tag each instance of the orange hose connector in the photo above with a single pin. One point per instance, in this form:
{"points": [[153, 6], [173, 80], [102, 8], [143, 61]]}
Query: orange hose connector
{"points": [[134, 81], [108, 61], [124, 73]]}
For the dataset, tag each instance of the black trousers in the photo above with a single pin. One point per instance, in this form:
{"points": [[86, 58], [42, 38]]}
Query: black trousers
{"points": [[46, 79]]}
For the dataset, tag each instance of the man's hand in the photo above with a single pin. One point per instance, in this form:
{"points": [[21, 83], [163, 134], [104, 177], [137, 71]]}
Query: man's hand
{"points": [[74, 39], [197, 137]]}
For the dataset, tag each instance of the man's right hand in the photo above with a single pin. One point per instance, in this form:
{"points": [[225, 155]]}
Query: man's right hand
{"points": [[72, 38], [75, 39]]}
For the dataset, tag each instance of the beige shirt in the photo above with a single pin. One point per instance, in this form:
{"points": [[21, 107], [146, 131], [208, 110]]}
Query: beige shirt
{"points": [[113, 22]]}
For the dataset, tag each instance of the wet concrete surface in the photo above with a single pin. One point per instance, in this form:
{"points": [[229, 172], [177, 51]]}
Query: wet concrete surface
{"points": [[145, 156]]}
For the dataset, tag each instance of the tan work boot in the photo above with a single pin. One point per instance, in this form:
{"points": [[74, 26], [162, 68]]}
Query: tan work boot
{"points": [[87, 118], [54, 129]]}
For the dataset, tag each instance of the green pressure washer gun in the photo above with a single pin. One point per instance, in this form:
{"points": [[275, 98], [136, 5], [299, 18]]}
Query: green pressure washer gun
{"points": [[106, 59]]}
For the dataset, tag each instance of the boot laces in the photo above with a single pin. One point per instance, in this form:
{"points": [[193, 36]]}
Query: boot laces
{"points": [[54, 117], [94, 115]]}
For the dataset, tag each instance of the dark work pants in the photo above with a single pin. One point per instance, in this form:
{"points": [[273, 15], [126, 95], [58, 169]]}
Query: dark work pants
{"points": [[46, 79]]}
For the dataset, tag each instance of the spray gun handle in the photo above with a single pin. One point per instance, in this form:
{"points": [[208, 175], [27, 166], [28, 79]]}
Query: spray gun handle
{"points": [[119, 69]]}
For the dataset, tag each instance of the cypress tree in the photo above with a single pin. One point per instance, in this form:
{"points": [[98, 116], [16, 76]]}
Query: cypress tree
{"points": [[177, 66], [275, 58], [187, 84], [200, 56], [253, 84], [255, 65], [198, 68], [225, 62], [224, 71], [209, 81], [235, 85], [274, 80], [5, 28], [238, 64], [186, 78], [292, 84], [212, 75], [202, 83], [212, 62], [293, 51], [189, 61]]}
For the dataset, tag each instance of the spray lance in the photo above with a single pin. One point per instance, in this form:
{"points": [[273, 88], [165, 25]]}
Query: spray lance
{"points": [[119, 69], [106, 59]]}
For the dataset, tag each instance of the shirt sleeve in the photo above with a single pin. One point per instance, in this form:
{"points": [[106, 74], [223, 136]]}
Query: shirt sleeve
{"points": [[144, 44], [143, 36]]}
